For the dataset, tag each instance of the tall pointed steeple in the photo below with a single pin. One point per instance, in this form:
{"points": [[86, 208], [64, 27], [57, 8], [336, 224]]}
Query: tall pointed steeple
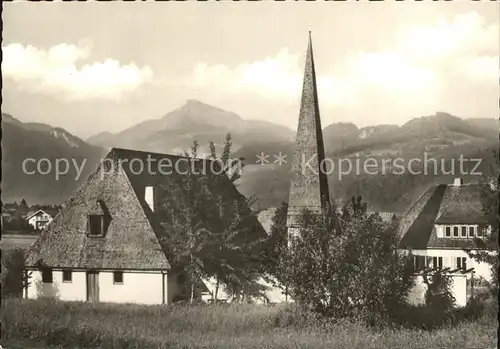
{"points": [[308, 185]]}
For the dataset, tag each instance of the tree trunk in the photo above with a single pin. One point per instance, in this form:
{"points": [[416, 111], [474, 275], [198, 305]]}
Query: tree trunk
{"points": [[192, 293], [192, 282], [216, 289]]}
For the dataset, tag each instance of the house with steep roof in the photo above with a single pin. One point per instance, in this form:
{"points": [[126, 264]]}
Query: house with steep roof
{"points": [[39, 219], [110, 241], [442, 226]]}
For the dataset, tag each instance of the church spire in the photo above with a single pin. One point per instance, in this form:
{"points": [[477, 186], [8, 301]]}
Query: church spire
{"points": [[309, 185]]}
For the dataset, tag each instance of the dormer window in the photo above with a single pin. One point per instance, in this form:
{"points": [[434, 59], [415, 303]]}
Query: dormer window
{"points": [[460, 231], [464, 231], [480, 232], [98, 219], [95, 225], [472, 231], [447, 231]]}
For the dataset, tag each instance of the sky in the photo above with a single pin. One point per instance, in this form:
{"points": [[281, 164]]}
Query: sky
{"points": [[91, 67]]}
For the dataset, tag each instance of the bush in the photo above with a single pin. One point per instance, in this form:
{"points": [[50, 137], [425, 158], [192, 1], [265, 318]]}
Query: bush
{"points": [[12, 278], [345, 264]]}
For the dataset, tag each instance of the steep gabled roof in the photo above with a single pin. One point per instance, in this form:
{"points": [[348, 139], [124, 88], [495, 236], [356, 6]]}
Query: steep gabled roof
{"points": [[441, 204], [34, 213], [136, 237]]}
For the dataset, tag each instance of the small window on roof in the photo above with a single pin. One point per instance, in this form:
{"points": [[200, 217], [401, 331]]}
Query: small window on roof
{"points": [[480, 231], [464, 231], [472, 231], [95, 225], [447, 230], [455, 232]]}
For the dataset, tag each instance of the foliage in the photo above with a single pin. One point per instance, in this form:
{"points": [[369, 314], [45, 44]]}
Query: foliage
{"points": [[438, 298], [490, 194], [344, 263], [13, 277], [214, 236], [52, 323]]}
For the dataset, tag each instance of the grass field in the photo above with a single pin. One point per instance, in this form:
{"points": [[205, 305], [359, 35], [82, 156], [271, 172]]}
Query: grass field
{"points": [[54, 324], [13, 240]]}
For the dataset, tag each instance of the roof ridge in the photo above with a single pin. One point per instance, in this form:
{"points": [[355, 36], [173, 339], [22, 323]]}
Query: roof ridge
{"points": [[116, 150]]}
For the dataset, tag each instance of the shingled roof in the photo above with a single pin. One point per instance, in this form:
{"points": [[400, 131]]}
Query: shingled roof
{"points": [[136, 236], [441, 204]]}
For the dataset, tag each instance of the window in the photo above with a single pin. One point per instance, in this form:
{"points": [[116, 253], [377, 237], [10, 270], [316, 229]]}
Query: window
{"points": [[118, 277], [464, 231], [419, 262], [480, 232], [66, 275], [447, 231], [435, 262], [462, 263], [47, 275], [472, 232], [455, 232], [95, 225]]}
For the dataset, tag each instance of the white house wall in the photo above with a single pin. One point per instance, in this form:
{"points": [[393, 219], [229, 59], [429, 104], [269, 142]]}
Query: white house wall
{"points": [[137, 287], [40, 217], [68, 291]]}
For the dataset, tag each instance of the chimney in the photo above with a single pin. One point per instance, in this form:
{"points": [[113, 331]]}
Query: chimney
{"points": [[149, 197], [457, 182]]}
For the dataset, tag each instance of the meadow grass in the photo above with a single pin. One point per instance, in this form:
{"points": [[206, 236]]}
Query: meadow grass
{"points": [[55, 324]]}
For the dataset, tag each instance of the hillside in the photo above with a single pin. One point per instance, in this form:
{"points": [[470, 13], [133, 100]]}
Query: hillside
{"points": [[175, 131], [441, 136], [21, 141]]}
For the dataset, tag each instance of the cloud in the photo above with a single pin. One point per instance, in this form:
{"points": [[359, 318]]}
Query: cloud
{"points": [[55, 72], [423, 64]]}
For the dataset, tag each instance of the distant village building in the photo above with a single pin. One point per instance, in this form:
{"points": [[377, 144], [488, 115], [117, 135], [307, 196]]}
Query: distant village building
{"points": [[439, 229], [7, 215], [109, 243], [39, 219]]}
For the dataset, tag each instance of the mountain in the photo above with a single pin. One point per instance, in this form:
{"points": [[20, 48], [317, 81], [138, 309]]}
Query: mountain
{"points": [[441, 136], [485, 123], [436, 134], [45, 145], [175, 131]]}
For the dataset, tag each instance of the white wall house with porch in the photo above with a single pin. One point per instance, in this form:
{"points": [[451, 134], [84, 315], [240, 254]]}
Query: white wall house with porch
{"points": [[440, 230], [39, 220]]}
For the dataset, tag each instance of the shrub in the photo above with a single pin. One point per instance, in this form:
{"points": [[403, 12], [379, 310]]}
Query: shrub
{"points": [[345, 264], [13, 275]]}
